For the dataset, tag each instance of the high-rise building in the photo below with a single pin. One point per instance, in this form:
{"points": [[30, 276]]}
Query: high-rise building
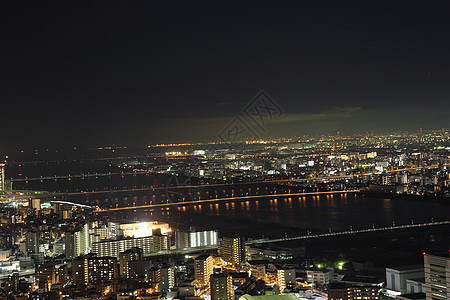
{"points": [[90, 269], [32, 242], [221, 286], [114, 230], [203, 269], [2, 177], [69, 241], [45, 276], [181, 239], [285, 278], [154, 274], [167, 278], [437, 276], [80, 242], [232, 250], [35, 204], [396, 278], [132, 254], [164, 276]]}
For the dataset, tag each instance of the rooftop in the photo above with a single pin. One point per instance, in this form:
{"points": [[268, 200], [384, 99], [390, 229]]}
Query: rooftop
{"points": [[407, 268], [269, 297]]}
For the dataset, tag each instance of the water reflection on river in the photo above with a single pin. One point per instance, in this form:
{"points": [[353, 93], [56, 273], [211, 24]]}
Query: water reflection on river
{"points": [[337, 212]]}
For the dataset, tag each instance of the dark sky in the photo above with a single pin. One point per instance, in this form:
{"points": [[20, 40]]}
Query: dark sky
{"points": [[138, 72]]}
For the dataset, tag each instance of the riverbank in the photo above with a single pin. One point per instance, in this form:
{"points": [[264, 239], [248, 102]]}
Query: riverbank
{"points": [[441, 200]]}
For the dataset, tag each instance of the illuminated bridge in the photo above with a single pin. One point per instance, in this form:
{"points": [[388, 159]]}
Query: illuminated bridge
{"points": [[303, 237], [341, 233], [85, 175], [200, 201]]}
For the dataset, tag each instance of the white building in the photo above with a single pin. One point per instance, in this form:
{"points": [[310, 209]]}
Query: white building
{"points": [[416, 285], [319, 276], [167, 278], [83, 241], [196, 239], [148, 244], [203, 269], [203, 238], [396, 278]]}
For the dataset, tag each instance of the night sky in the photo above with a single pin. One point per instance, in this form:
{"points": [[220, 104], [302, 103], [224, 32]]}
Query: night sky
{"points": [[138, 72]]}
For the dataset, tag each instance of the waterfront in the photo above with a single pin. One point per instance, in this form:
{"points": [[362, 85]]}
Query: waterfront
{"points": [[316, 213], [335, 212]]}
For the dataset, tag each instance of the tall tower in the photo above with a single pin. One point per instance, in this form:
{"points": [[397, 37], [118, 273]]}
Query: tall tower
{"points": [[232, 250], [203, 269], [32, 242], [437, 276], [2, 176]]}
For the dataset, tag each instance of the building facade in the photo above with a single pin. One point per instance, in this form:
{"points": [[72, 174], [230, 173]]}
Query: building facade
{"points": [[203, 238], [149, 244], [133, 254], [90, 269], [285, 278], [437, 276], [221, 287], [322, 277], [203, 269], [232, 250], [396, 277], [2, 177]]}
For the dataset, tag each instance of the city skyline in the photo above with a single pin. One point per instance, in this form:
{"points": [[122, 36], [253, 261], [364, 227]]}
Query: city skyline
{"points": [[254, 150]]}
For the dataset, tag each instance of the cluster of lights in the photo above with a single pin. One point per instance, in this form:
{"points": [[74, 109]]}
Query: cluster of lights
{"points": [[144, 229]]}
